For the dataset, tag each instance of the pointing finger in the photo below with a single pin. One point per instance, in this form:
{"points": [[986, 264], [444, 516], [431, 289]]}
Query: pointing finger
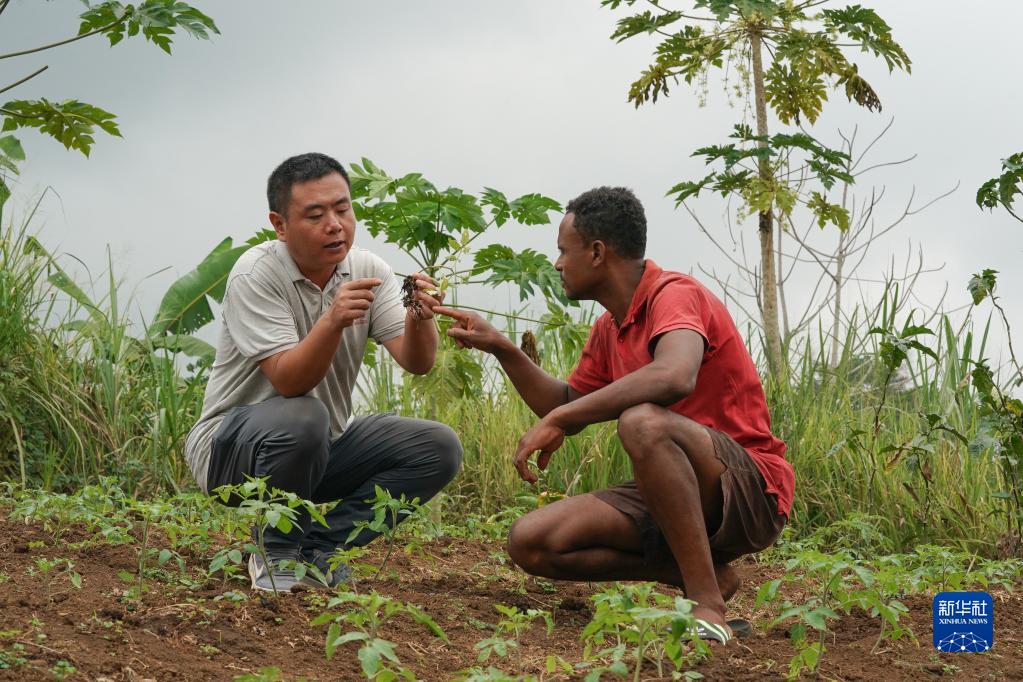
{"points": [[453, 313]]}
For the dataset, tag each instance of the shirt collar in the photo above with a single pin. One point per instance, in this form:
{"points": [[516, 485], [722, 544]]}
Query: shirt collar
{"points": [[651, 272], [342, 270]]}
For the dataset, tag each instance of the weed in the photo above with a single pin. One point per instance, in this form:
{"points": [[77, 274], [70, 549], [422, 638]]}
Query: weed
{"points": [[62, 670]]}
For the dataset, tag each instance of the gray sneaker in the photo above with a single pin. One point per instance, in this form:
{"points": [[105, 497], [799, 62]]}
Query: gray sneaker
{"points": [[282, 564], [322, 561]]}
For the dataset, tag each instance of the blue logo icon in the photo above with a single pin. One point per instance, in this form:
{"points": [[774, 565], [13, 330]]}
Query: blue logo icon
{"points": [[964, 622]]}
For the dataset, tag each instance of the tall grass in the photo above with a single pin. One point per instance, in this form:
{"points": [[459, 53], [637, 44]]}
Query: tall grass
{"points": [[81, 396], [924, 484]]}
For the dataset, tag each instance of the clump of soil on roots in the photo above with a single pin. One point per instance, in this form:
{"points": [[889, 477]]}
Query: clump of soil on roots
{"points": [[408, 297]]}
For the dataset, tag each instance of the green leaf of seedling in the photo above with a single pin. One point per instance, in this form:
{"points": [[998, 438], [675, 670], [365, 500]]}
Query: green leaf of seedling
{"points": [[818, 617], [332, 636], [767, 593], [424, 618], [273, 518]]}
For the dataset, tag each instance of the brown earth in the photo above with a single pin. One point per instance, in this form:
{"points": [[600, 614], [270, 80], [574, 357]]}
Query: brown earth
{"points": [[179, 630]]}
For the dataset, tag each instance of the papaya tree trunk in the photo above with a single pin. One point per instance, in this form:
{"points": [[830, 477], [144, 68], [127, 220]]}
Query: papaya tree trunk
{"points": [[768, 272]]}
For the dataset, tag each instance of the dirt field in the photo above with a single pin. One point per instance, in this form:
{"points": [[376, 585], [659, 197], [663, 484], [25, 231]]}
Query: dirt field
{"points": [[183, 631]]}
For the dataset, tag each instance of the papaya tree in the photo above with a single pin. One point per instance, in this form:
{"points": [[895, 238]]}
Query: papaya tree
{"points": [[787, 56], [71, 122]]}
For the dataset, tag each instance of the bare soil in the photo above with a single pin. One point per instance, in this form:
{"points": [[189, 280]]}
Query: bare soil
{"points": [[179, 630]]}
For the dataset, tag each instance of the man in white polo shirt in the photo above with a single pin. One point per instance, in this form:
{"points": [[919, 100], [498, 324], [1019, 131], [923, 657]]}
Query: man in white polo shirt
{"points": [[296, 318]]}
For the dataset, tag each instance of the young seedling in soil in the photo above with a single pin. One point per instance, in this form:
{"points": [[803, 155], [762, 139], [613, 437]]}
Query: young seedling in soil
{"points": [[265, 508], [386, 513], [365, 614]]}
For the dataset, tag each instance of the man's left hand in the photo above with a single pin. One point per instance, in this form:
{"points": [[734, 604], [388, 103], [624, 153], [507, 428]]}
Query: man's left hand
{"points": [[427, 301], [544, 437]]}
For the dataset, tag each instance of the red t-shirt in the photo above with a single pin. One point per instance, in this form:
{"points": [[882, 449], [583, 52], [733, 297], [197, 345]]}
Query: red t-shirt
{"points": [[728, 395]]}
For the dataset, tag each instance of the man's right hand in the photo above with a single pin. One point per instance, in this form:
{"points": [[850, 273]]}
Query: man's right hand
{"points": [[472, 331], [352, 302]]}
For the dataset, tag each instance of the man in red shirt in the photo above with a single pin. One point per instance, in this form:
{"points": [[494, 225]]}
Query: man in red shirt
{"points": [[665, 360]]}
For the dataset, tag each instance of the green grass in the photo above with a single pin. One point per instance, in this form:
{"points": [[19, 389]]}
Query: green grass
{"points": [[82, 395]]}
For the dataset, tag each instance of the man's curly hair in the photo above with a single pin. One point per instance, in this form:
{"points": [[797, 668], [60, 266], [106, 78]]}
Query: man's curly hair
{"points": [[614, 216]]}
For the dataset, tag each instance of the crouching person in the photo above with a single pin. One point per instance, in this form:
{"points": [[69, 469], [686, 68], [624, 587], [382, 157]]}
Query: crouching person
{"points": [[297, 315], [710, 481]]}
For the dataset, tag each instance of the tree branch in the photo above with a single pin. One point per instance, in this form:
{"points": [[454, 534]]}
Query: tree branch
{"points": [[26, 78], [61, 42]]}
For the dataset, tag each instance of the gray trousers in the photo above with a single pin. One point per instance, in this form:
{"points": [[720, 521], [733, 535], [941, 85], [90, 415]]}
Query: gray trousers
{"points": [[288, 440]]}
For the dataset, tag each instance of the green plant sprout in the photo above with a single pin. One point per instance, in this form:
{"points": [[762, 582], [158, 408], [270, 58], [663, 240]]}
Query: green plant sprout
{"points": [[649, 625], [363, 616], [509, 631], [388, 512], [265, 508], [838, 582]]}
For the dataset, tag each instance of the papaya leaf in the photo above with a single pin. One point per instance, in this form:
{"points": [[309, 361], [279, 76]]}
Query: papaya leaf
{"points": [[982, 285], [72, 123], [156, 20], [1004, 189]]}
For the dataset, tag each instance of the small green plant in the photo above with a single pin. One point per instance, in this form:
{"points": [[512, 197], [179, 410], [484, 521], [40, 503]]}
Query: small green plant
{"points": [[836, 582], [62, 669], [645, 625], [388, 512], [509, 630], [264, 508], [361, 619], [60, 566]]}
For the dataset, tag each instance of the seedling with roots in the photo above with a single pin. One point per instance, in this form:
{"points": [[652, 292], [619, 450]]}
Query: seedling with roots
{"points": [[438, 230]]}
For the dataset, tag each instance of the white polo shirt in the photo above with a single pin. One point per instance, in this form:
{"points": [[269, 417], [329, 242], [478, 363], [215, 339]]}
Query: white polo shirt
{"points": [[269, 306]]}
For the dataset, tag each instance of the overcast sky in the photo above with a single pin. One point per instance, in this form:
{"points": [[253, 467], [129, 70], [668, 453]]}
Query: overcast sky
{"points": [[522, 96]]}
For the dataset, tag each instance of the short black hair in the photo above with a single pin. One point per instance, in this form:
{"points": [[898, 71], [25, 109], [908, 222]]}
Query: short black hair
{"points": [[301, 168], [614, 216]]}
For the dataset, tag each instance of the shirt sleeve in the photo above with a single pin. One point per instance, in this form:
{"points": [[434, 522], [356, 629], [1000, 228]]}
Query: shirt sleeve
{"points": [[679, 305], [258, 318], [594, 370], [387, 315]]}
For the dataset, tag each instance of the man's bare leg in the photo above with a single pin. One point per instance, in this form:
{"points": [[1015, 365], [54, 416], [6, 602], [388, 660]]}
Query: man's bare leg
{"points": [[584, 538], [679, 477]]}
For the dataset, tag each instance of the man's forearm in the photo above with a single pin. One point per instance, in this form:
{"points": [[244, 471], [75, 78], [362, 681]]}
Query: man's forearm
{"points": [[419, 345], [539, 390], [649, 384], [298, 370]]}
